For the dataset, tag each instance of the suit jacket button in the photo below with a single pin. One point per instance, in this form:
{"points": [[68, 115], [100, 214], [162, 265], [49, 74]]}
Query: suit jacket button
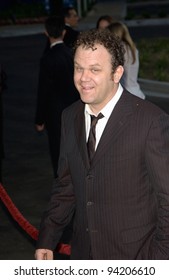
{"points": [[90, 203], [89, 176]]}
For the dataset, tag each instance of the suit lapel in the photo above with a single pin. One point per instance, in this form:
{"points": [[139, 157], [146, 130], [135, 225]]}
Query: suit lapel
{"points": [[80, 132], [117, 121]]}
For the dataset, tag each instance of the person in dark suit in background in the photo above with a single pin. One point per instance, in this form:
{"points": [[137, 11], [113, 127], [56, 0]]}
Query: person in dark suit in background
{"points": [[56, 88], [71, 22], [120, 197]]}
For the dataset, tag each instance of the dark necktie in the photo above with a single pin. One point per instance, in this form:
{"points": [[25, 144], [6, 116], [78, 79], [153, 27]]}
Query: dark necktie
{"points": [[91, 143]]}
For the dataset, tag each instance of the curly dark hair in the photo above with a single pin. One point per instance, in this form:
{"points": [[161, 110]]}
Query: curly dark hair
{"points": [[88, 39]]}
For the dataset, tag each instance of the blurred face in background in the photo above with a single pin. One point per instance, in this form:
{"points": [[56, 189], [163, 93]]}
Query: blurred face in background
{"points": [[103, 24], [72, 19]]}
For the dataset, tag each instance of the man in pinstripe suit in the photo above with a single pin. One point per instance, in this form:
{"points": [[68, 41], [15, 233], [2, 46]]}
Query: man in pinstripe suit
{"points": [[120, 199]]}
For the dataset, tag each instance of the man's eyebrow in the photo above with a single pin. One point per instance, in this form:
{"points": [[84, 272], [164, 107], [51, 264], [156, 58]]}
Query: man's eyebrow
{"points": [[92, 65], [96, 64]]}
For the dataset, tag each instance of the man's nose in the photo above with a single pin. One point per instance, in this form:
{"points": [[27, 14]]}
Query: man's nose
{"points": [[85, 76]]}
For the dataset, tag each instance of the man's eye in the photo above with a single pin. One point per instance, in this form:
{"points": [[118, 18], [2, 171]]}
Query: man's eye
{"points": [[78, 69], [95, 70]]}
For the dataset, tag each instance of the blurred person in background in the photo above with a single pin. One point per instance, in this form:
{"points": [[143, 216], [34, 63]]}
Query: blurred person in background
{"points": [[104, 21], [71, 23], [71, 19], [56, 88], [129, 79]]}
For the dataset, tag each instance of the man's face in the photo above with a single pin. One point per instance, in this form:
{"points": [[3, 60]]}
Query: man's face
{"points": [[73, 18], [93, 76]]}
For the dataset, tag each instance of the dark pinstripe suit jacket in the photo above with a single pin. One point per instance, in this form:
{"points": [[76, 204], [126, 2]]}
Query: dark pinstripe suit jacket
{"points": [[121, 202]]}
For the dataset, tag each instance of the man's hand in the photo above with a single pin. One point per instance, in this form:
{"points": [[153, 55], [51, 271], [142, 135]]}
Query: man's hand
{"points": [[43, 254]]}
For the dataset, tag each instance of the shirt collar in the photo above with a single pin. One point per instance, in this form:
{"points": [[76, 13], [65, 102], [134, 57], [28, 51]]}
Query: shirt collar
{"points": [[56, 43], [107, 110]]}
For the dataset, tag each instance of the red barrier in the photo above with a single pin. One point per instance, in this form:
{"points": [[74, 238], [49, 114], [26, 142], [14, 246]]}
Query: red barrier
{"points": [[26, 226]]}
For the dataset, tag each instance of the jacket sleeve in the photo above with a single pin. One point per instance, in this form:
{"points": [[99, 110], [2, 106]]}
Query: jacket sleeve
{"points": [[61, 206], [157, 158]]}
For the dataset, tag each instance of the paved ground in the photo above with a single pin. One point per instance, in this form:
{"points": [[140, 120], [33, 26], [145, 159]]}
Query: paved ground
{"points": [[27, 169]]}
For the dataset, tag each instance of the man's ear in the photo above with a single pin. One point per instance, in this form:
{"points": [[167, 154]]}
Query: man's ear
{"points": [[118, 74]]}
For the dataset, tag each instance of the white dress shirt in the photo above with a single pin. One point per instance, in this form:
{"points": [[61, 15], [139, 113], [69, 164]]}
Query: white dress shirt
{"points": [[106, 111], [56, 43]]}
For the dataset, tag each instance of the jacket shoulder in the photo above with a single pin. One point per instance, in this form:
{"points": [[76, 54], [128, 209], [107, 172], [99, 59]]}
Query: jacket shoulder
{"points": [[144, 105]]}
